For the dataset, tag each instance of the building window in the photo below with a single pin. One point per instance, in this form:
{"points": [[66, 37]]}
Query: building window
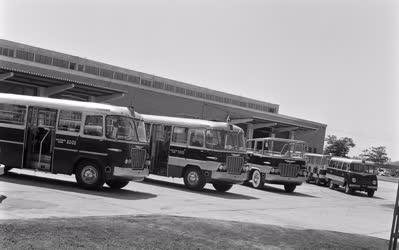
{"points": [[91, 70], [190, 92], [227, 100], [180, 90], [72, 65], [158, 85], [200, 95], [107, 73], [60, 63], [24, 55], [94, 125], [170, 88], [146, 82], [218, 99], [70, 121], [7, 52], [43, 59], [134, 79], [120, 76], [80, 67]]}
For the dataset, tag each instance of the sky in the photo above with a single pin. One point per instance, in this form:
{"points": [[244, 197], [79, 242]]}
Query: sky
{"points": [[330, 61]]}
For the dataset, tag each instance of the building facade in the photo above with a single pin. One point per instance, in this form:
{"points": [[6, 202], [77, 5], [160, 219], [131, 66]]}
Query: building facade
{"points": [[31, 70]]}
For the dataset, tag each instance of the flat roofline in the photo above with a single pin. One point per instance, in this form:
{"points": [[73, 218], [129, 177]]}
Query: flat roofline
{"points": [[145, 75]]}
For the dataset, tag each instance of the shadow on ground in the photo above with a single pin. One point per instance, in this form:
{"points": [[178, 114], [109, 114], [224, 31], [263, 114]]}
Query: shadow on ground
{"points": [[281, 191], [205, 191], [69, 186]]}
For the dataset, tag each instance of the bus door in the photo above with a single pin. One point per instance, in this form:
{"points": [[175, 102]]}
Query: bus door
{"points": [[40, 138], [159, 145]]}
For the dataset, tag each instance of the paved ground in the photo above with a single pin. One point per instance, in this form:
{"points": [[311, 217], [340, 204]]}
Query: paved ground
{"points": [[310, 207]]}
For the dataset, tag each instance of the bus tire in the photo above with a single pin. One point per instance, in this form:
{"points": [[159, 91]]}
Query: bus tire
{"points": [[348, 190], [258, 179], [117, 184], [194, 179], [222, 187], [89, 175], [289, 188], [370, 193]]}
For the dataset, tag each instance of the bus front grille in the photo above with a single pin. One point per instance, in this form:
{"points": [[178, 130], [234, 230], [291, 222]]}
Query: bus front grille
{"points": [[288, 170], [234, 164], [138, 158]]}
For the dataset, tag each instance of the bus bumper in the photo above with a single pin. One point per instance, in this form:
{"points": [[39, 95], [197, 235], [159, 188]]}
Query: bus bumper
{"points": [[2, 169], [362, 187], [277, 179], [131, 174], [230, 178]]}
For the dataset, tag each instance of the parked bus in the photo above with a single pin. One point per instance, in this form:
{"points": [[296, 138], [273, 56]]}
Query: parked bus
{"points": [[354, 175], [317, 168], [199, 151], [276, 161], [99, 143]]}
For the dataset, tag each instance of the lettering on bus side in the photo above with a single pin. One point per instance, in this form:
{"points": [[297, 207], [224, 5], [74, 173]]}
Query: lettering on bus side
{"points": [[64, 141]]}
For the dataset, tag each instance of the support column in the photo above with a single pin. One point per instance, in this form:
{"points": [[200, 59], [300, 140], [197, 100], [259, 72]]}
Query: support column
{"points": [[250, 131], [292, 135]]}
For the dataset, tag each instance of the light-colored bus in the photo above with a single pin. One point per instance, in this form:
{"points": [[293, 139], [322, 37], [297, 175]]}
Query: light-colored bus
{"points": [[199, 151], [276, 161], [99, 143], [317, 168], [353, 175]]}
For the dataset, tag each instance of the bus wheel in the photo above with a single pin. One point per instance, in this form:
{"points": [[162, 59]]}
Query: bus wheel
{"points": [[117, 184], [194, 179], [221, 187], [289, 188], [258, 180], [370, 193], [89, 175], [348, 190]]}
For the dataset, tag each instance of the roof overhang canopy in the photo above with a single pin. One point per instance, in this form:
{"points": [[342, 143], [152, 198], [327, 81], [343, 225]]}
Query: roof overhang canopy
{"points": [[58, 87]]}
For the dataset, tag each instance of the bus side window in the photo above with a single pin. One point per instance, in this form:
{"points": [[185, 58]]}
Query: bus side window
{"points": [[70, 121], [12, 114], [196, 137], [179, 135], [258, 146], [148, 130], [93, 125]]}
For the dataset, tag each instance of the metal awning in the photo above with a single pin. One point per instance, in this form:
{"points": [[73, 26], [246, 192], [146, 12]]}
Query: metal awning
{"points": [[58, 86]]}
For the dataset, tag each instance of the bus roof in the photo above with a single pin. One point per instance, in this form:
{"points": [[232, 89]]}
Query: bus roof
{"points": [[276, 139], [189, 122], [319, 155], [65, 104], [349, 160]]}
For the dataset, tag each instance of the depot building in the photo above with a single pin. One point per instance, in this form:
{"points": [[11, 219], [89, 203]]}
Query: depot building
{"points": [[29, 70]]}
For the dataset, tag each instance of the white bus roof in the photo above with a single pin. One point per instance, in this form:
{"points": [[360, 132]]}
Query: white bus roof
{"points": [[349, 160], [276, 139], [188, 122], [319, 155], [65, 104]]}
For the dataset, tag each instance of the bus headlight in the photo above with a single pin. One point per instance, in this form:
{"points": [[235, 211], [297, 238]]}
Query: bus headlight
{"points": [[147, 163], [246, 168], [128, 161], [222, 167], [354, 180], [374, 182]]}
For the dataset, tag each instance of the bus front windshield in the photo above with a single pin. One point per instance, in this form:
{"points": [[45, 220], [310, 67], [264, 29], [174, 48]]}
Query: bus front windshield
{"points": [[226, 140], [141, 131], [362, 168], [121, 128]]}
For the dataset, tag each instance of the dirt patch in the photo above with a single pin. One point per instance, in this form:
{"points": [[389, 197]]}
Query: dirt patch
{"points": [[169, 232]]}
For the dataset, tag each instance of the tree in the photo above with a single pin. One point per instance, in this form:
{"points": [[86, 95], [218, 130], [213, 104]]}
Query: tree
{"points": [[338, 147], [375, 154]]}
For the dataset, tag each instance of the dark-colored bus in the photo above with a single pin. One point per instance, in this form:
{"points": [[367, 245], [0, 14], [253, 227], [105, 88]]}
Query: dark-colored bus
{"points": [[199, 151], [99, 143], [353, 175], [276, 161], [317, 168]]}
